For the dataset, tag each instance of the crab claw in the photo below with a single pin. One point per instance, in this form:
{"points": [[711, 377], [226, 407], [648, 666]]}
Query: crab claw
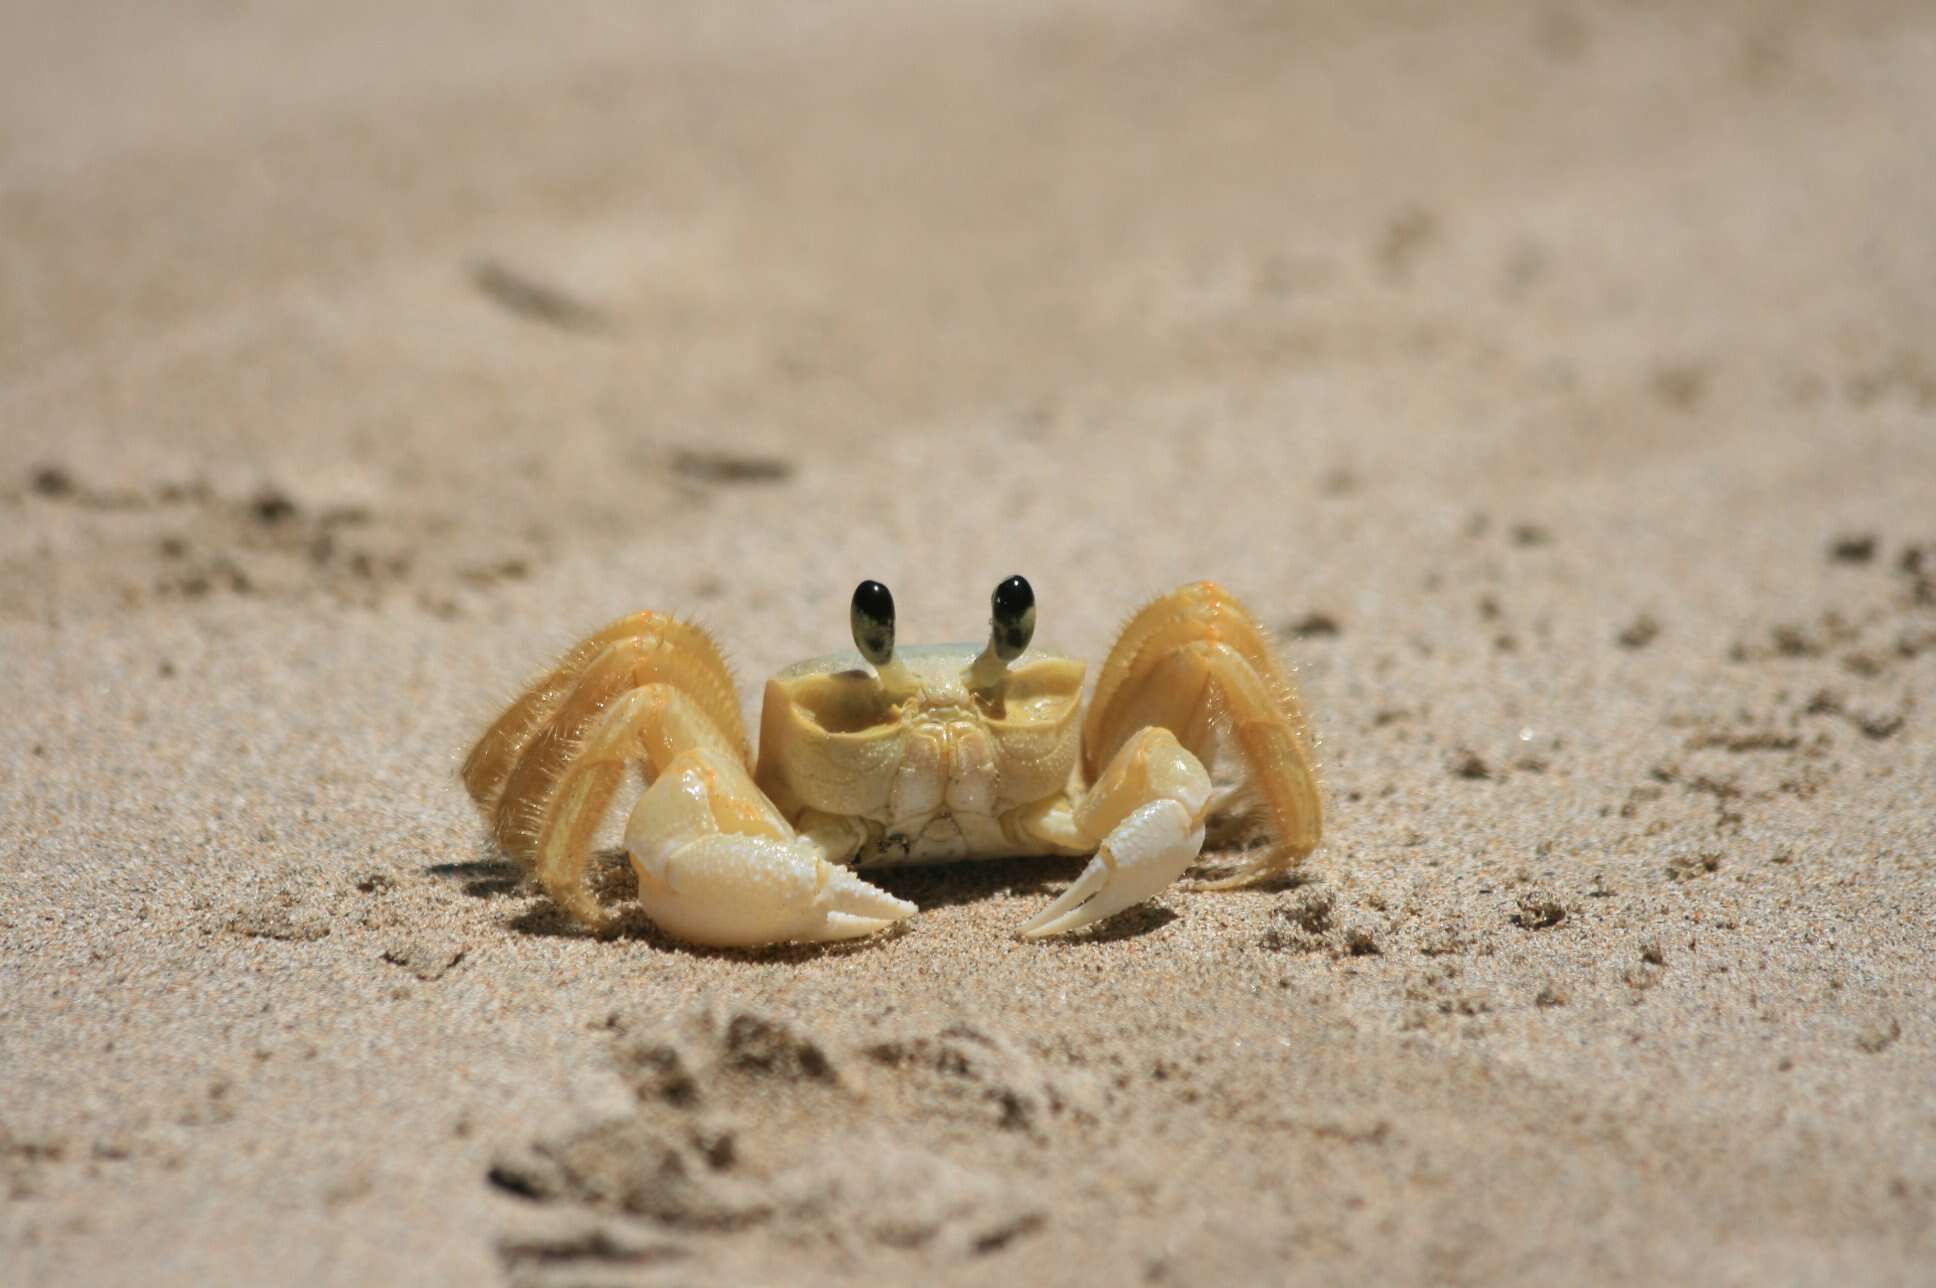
{"points": [[736, 891], [1142, 855], [718, 865]]}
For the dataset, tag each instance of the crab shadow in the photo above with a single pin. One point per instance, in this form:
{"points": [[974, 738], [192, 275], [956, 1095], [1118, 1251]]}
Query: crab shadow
{"points": [[1221, 867], [615, 887], [629, 925], [928, 886], [493, 878], [1130, 923], [945, 885]]}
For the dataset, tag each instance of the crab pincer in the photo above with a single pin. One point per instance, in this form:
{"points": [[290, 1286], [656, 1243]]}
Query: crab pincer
{"points": [[717, 864], [1145, 818]]}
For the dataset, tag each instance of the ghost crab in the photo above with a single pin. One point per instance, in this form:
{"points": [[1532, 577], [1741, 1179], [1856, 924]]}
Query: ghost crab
{"points": [[874, 758]]}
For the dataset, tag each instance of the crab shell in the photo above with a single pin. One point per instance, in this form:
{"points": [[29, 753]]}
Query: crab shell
{"points": [[934, 773]]}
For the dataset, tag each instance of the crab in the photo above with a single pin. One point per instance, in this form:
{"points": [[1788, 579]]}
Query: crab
{"points": [[878, 757]]}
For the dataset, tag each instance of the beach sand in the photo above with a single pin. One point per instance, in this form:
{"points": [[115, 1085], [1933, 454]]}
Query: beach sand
{"points": [[1556, 382]]}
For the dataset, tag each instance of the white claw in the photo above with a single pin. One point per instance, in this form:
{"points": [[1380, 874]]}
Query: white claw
{"points": [[1142, 855], [754, 884], [737, 891]]}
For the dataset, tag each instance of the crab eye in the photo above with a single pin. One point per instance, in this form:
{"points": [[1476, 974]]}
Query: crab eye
{"points": [[1014, 617], [872, 618]]}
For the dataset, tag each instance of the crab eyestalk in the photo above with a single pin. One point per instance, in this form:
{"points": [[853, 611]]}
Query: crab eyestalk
{"points": [[1011, 624], [872, 619]]}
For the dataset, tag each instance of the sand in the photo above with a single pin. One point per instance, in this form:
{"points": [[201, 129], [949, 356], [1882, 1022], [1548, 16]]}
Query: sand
{"points": [[1556, 382]]}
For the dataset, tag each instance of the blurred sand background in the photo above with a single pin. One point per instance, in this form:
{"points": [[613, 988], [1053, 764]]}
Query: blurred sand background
{"points": [[1558, 380]]}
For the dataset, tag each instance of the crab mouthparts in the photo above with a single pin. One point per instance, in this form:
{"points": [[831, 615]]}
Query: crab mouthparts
{"points": [[896, 681]]}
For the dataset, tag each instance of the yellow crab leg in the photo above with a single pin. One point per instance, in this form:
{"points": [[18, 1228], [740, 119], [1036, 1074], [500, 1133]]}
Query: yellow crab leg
{"points": [[689, 658], [626, 664], [1202, 610], [656, 724], [1197, 663]]}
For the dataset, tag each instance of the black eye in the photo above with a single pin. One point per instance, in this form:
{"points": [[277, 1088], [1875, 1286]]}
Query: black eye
{"points": [[872, 617], [1014, 620]]}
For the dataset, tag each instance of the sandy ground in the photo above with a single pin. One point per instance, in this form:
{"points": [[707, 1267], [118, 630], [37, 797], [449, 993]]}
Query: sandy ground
{"points": [[1556, 380]]}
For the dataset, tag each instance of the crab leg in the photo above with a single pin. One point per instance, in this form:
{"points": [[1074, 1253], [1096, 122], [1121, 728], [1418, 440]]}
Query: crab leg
{"points": [[1202, 610], [1196, 662], [718, 865], [632, 651], [602, 686], [1144, 819], [556, 822]]}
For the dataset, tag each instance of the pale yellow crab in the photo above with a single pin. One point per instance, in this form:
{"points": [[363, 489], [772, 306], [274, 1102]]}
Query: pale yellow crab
{"points": [[869, 759]]}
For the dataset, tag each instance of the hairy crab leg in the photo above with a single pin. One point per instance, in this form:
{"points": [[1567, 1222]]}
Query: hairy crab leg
{"points": [[1202, 610], [654, 724], [1283, 769], [1197, 663], [691, 659], [718, 865], [623, 666], [1144, 819]]}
